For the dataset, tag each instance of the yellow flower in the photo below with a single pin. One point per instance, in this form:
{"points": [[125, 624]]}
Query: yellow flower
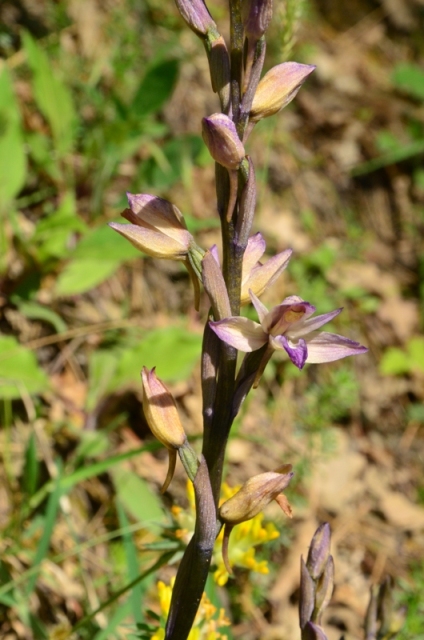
{"points": [[206, 624]]}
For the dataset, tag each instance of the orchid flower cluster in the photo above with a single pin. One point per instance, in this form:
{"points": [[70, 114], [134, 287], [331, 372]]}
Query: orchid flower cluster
{"points": [[157, 227]]}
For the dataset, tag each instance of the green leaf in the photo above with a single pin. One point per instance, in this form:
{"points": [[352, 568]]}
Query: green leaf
{"points": [[416, 353], [155, 88], [12, 151], [170, 160], [410, 79], [53, 97], [19, 370], [138, 499], [49, 522], [132, 564], [52, 233], [105, 242], [394, 362], [31, 468], [173, 350], [82, 275], [96, 257], [36, 311]]}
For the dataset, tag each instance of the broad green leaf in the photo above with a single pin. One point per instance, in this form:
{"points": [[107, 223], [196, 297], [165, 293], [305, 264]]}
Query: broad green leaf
{"points": [[52, 233], [40, 147], [155, 88], [105, 242], [96, 257], [173, 350], [36, 311], [83, 274], [163, 170], [53, 97], [19, 370], [410, 79], [416, 353], [138, 499], [394, 362], [12, 151]]}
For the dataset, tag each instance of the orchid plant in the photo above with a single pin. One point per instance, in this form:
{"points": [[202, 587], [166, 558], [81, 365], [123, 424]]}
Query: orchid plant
{"points": [[158, 229]]}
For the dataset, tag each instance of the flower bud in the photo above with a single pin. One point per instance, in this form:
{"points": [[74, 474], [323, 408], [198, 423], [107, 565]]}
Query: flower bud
{"points": [[324, 589], [220, 136], [157, 227], [319, 551], [162, 417], [313, 631], [277, 88], [197, 17], [255, 495], [256, 16], [220, 70], [307, 595]]}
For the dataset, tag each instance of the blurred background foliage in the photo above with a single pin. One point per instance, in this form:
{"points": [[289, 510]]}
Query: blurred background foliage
{"points": [[97, 99]]}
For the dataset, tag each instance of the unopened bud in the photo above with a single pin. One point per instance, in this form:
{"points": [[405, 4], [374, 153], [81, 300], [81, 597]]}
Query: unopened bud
{"points": [[307, 595], [197, 17], [219, 66], [221, 138], [256, 16], [313, 631], [324, 589], [319, 550], [162, 417], [255, 495], [277, 88]]}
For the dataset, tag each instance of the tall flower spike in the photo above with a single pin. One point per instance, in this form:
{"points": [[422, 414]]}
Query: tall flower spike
{"points": [[251, 499], [157, 227], [288, 327], [277, 88], [162, 417]]}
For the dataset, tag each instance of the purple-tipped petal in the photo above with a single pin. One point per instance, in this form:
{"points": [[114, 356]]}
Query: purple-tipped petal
{"points": [[241, 333], [328, 347], [311, 324], [297, 353]]}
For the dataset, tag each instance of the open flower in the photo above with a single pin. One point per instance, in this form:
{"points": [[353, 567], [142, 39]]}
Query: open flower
{"points": [[288, 327], [255, 275], [157, 227]]}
